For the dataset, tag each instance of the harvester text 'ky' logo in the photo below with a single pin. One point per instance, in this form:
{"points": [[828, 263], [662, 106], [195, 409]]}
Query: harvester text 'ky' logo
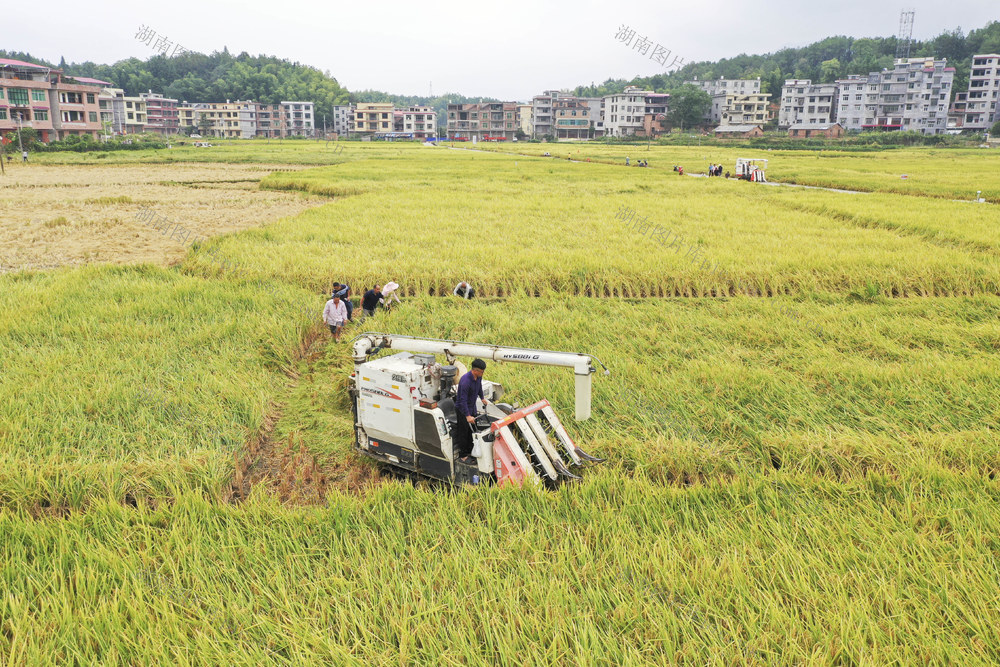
{"points": [[520, 356]]}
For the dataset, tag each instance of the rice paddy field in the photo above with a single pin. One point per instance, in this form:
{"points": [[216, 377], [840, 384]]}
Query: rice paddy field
{"points": [[800, 423], [951, 173]]}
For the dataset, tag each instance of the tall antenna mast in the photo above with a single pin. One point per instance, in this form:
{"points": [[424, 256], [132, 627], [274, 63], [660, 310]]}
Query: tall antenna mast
{"points": [[905, 33]]}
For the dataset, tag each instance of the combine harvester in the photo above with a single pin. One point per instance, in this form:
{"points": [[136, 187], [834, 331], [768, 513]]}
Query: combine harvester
{"points": [[404, 413], [751, 169]]}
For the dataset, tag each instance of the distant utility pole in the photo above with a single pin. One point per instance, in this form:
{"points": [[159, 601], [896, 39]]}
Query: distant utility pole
{"points": [[20, 147], [905, 33]]}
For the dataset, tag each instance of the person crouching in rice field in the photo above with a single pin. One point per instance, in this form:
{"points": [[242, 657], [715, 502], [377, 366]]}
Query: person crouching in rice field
{"points": [[464, 290], [389, 293], [335, 314]]}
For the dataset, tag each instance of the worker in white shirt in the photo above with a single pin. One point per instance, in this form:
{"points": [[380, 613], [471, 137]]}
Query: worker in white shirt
{"points": [[464, 290], [389, 293], [335, 314]]}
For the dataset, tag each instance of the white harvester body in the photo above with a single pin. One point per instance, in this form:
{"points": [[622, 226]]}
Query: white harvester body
{"points": [[751, 169], [405, 415]]}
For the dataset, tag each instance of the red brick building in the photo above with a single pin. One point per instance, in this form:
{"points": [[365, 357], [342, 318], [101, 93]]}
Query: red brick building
{"points": [[808, 131], [42, 98], [738, 131]]}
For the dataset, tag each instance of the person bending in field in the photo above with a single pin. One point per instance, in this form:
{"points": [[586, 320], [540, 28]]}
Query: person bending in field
{"points": [[335, 314], [370, 301], [344, 292], [470, 387], [389, 293], [464, 290]]}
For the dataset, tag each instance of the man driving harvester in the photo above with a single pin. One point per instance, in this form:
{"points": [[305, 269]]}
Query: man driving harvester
{"points": [[470, 387]]}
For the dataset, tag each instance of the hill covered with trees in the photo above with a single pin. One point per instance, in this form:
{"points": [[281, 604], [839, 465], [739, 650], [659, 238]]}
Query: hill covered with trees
{"points": [[220, 76], [197, 77], [822, 61]]}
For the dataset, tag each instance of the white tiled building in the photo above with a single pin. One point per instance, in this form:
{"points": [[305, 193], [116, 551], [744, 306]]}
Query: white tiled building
{"points": [[740, 109], [248, 120], [913, 95], [806, 103], [421, 122], [725, 91], [858, 99], [542, 113], [982, 104], [624, 112], [298, 118], [343, 117], [731, 86]]}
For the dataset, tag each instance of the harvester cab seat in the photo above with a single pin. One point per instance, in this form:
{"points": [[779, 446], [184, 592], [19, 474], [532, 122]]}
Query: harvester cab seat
{"points": [[447, 406]]}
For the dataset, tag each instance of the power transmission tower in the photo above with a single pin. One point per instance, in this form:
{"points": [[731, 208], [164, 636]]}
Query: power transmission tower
{"points": [[905, 33]]}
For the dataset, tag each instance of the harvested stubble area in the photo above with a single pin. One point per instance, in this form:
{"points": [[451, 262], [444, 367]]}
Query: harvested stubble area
{"points": [[53, 215], [809, 477]]}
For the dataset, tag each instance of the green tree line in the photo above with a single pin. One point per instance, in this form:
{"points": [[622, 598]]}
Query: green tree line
{"points": [[823, 61], [196, 77]]}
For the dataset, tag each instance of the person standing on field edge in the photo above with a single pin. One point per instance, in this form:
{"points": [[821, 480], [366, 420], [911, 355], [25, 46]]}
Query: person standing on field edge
{"points": [[335, 314], [470, 387], [626, 160], [24, 156], [369, 302]]}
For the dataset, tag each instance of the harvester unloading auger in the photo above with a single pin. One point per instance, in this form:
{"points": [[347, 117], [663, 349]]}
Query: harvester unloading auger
{"points": [[404, 413]]}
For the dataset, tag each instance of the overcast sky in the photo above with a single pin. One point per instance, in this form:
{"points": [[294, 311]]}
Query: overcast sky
{"points": [[511, 49]]}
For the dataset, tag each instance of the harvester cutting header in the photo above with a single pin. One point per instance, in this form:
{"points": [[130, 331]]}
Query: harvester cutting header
{"points": [[405, 413]]}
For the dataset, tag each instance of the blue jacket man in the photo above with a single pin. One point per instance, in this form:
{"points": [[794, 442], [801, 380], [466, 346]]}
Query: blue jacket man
{"points": [[470, 387]]}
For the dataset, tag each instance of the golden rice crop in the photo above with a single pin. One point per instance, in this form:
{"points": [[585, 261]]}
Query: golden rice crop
{"points": [[578, 229], [779, 570], [802, 467], [951, 173]]}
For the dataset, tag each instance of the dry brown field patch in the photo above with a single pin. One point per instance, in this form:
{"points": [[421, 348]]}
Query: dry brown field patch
{"points": [[55, 215]]}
